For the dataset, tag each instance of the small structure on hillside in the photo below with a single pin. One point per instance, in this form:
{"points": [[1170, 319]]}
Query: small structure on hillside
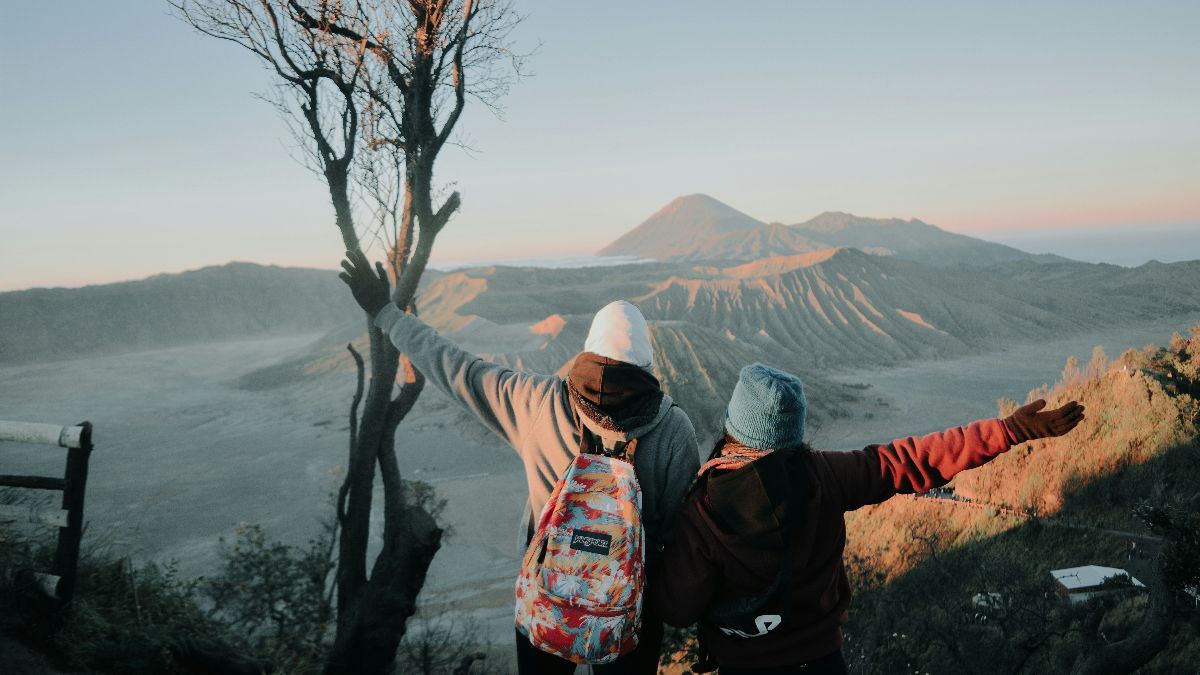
{"points": [[988, 600], [988, 606], [1080, 584]]}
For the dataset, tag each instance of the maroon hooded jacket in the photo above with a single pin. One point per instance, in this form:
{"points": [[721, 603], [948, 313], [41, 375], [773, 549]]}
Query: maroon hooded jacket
{"points": [[730, 535]]}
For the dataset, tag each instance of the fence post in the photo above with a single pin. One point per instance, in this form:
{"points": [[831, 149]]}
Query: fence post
{"points": [[66, 558]]}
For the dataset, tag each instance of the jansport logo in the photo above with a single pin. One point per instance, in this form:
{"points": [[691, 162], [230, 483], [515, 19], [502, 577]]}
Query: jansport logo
{"points": [[592, 542]]}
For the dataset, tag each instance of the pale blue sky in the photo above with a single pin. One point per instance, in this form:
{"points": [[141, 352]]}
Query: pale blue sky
{"points": [[132, 145]]}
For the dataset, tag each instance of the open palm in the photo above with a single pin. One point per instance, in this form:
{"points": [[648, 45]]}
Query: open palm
{"points": [[370, 287]]}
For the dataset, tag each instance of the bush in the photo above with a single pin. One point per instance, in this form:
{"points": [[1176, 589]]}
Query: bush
{"points": [[278, 598], [128, 618], [270, 607]]}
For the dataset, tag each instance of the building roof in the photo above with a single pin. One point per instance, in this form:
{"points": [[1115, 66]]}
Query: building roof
{"points": [[1089, 576]]}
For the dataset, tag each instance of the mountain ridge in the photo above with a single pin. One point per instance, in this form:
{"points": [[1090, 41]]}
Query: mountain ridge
{"points": [[686, 229], [824, 311], [221, 302], [703, 216]]}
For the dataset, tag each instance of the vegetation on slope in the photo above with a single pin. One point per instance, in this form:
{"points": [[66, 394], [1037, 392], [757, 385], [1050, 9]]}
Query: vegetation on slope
{"points": [[921, 564], [267, 610]]}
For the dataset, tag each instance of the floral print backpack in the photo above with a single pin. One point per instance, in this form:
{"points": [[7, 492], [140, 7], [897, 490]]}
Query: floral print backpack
{"points": [[579, 594]]}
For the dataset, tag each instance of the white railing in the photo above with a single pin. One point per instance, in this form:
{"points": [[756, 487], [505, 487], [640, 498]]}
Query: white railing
{"points": [[42, 434]]}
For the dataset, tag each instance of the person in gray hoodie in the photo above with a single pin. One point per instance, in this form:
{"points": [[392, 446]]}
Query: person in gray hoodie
{"points": [[609, 397]]}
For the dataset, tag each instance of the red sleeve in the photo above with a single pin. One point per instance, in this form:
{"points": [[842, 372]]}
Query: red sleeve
{"points": [[912, 464], [686, 578]]}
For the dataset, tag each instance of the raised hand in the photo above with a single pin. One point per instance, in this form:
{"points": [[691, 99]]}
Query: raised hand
{"points": [[370, 288], [1027, 423]]}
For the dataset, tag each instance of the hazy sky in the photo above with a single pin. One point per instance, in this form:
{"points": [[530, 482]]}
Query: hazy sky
{"points": [[132, 145]]}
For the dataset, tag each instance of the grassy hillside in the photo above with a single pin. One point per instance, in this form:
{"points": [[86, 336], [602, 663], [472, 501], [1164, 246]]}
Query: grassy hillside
{"points": [[918, 562]]}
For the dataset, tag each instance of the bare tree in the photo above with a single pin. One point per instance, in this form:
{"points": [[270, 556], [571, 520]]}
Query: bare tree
{"points": [[372, 90]]}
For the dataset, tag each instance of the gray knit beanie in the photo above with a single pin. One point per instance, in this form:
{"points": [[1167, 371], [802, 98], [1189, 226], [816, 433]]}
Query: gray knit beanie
{"points": [[767, 409]]}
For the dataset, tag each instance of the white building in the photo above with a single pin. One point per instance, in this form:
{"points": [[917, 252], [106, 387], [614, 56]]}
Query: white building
{"points": [[1080, 584]]}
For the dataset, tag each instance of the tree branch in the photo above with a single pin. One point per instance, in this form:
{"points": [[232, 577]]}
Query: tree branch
{"points": [[459, 77], [389, 468], [358, 392], [384, 53]]}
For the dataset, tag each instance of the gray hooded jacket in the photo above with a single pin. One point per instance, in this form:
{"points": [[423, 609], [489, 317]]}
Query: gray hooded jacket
{"points": [[533, 414]]}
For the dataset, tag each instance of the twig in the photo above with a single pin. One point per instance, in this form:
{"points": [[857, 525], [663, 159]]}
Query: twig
{"points": [[137, 605], [344, 490]]}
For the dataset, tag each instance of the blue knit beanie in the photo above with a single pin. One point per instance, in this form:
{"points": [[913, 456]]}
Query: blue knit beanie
{"points": [[767, 409]]}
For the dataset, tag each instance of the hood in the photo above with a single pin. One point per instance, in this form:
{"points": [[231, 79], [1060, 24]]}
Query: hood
{"points": [[613, 395], [610, 435], [760, 501], [619, 332]]}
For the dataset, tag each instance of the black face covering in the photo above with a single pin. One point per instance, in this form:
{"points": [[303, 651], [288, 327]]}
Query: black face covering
{"points": [[615, 395]]}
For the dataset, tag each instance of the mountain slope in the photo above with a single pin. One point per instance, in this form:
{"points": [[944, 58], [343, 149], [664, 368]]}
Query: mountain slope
{"points": [[672, 230], [1170, 288], [763, 241], [214, 303], [909, 239], [700, 228], [827, 310], [854, 309], [698, 367]]}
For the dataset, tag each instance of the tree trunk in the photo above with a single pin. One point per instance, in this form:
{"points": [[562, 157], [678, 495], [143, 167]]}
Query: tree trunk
{"points": [[355, 520], [373, 612]]}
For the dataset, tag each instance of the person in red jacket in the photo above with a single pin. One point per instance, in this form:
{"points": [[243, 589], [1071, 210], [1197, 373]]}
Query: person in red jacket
{"points": [[757, 552]]}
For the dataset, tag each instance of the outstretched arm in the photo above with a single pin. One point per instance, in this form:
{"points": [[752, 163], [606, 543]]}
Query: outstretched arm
{"points": [[909, 465], [504, 400]]}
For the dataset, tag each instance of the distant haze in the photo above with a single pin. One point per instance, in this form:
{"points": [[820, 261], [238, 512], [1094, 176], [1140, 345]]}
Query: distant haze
{"points": [[1119, 246]]}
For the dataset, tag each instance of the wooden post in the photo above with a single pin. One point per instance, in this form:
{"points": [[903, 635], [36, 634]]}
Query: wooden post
{"points": [[66, 558], [78, 440]]}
